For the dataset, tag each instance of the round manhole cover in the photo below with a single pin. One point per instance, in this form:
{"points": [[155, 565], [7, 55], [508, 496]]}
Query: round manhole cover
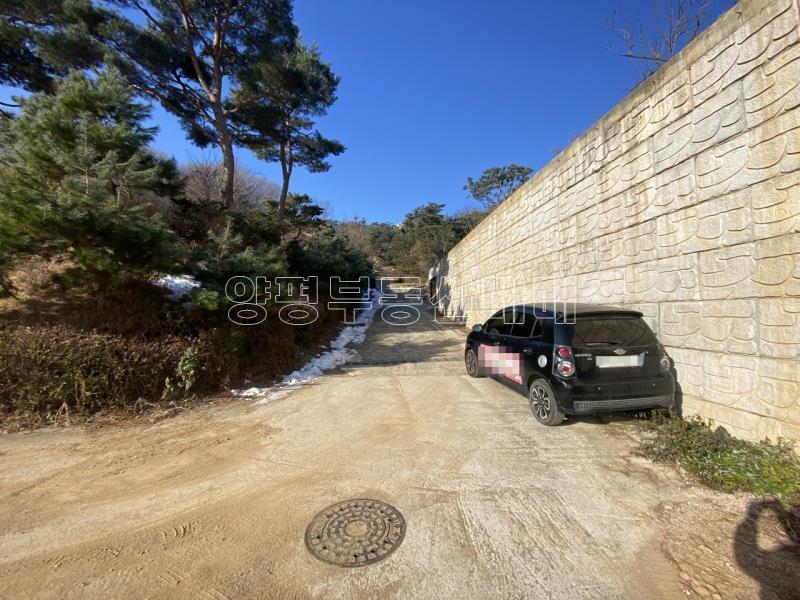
{"points": [[355, 532]]}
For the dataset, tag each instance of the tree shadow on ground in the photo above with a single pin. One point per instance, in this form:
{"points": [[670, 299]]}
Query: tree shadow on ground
{"points": [[775, 567], [603, 418], [415, 351], [390, 350], [131, 308]]}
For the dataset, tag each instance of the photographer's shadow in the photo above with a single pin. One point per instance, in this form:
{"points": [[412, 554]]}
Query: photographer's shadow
{"points": [[776, 568]]}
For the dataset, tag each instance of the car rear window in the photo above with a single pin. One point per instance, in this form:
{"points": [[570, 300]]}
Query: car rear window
{"points": [[616, 330]]}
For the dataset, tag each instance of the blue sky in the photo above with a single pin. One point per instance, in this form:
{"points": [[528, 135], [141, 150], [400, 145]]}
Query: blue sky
{"points": [[435, 91]]}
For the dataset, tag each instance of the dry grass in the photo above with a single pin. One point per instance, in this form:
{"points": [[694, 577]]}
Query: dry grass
{"points": [[60, 355], [721, 461]]}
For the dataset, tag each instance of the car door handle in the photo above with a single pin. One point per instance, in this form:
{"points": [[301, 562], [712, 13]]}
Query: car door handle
{"points": [[528, 350]]}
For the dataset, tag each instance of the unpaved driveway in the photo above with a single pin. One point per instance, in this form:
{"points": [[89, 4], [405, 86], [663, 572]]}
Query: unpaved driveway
{"points": [[214, 503]]}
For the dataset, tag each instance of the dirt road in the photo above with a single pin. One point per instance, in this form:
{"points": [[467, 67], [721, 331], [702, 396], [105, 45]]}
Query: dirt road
{"points": [[214, 503]]}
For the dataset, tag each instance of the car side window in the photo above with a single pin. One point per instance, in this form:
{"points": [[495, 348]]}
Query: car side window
{"points": [[537, 330], [492, 325], [508, 323], [526, 325], [497, 326]]}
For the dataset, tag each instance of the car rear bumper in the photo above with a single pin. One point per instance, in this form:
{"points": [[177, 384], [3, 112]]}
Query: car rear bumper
{"points": [[583, 407], [576, 399]]}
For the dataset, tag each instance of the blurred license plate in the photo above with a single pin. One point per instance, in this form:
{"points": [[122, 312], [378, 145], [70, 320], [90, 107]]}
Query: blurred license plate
{"points": [[615, 362]]}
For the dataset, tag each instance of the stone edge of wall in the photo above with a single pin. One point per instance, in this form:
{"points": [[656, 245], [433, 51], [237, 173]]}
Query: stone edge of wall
{"points": [[744, 422], [723, 26]]}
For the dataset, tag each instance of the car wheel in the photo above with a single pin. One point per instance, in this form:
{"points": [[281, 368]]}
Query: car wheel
{"points": [[543, 403], [471, 362]]}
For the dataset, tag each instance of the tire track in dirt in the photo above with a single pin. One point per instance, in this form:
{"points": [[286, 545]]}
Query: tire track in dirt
{"points": [[214, 503]]}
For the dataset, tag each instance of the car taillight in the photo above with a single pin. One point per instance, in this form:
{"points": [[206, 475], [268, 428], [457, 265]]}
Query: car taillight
{"points": [[664, 361], [566, 368], [563, 364]]}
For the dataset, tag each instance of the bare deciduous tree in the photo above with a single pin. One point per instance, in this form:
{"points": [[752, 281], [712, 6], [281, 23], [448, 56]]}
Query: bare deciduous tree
{"points": [[657, 37], [203, 178], [357, 231], [467, 219]]}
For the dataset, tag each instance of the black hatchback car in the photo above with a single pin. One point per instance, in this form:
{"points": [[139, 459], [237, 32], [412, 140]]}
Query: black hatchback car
{"points": [[572, 360]]}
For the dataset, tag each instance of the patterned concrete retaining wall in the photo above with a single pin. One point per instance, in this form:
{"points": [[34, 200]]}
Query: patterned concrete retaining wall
{"points": [[684, 202]]}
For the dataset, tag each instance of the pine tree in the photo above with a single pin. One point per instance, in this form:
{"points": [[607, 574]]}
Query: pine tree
{"points": [[72, 166], [279, 98], [41, 40], [188, 53]]}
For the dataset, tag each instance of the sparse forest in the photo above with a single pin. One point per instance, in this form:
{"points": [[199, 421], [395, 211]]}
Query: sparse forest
{"points": [[94, 217], [92, 214]]}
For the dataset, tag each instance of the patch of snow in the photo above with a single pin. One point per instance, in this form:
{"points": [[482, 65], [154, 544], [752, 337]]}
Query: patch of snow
{"points": [[338, 355], [179, 286]]}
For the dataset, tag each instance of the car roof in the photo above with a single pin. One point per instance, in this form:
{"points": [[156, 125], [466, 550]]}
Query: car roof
{"points": [[570, 309]]}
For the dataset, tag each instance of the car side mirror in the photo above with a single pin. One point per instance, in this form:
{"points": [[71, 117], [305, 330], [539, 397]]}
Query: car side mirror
{"points": [[477, 328]]}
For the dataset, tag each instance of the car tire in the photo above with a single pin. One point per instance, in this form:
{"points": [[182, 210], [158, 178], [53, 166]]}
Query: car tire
{"points": [[471, 363], [543, 403]]}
